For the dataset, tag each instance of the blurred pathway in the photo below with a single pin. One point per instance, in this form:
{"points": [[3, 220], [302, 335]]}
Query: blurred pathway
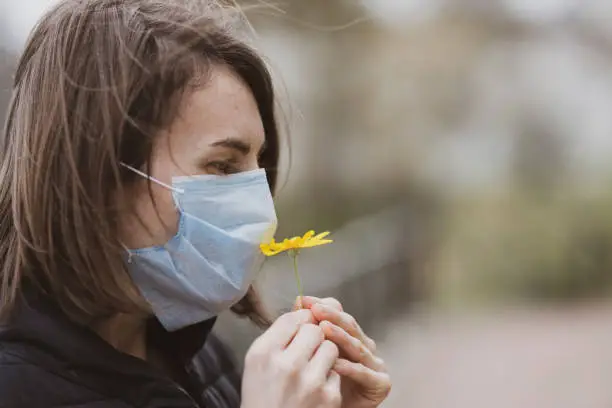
{"points": [[512, 359]]}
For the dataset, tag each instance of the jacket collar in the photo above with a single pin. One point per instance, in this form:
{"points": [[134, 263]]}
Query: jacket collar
{"points": [[37, 321]]}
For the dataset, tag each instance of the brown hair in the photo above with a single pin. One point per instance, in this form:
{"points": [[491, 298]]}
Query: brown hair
{"points": [[96, 80]]}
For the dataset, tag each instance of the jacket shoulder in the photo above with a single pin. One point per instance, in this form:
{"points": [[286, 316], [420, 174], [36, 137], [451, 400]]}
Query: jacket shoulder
{"points": [[27, 383], [219, 374]]}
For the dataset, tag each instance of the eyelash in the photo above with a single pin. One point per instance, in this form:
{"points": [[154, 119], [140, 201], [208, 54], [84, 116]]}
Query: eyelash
{"points": [[224, 167]]}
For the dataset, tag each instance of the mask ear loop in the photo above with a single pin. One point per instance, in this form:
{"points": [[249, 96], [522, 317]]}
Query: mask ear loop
{"points": [[153, 179], [130, 255]]}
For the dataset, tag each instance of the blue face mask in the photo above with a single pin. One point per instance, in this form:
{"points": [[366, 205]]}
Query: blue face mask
{"points": [[210, 263]]}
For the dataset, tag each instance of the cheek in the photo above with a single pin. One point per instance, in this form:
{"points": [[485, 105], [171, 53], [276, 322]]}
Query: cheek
{"points": [[252, 163], [150, 219]]}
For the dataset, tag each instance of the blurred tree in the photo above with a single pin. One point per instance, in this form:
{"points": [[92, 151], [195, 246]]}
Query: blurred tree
{"points": [[539, 158], [337, 29]]}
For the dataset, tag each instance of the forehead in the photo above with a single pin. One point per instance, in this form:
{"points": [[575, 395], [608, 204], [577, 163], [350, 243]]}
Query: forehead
{"points": [[224, 107]]}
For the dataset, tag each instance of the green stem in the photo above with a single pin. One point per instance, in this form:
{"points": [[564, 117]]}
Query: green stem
{"points": [[294, 255]]}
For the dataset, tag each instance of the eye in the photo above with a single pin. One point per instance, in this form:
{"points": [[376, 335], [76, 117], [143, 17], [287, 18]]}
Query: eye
{"points": [[222, 167]]}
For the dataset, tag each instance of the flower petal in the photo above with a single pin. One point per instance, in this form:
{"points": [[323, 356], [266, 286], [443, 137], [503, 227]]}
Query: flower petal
{"points": [[321, 235], [308, 235], [308, 240], [272, 248], [297, 243], [314, 243], [267, 251]]}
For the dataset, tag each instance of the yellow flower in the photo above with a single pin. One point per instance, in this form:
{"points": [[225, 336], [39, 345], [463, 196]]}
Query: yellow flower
{"points": [[296, 243], [293, 246]]}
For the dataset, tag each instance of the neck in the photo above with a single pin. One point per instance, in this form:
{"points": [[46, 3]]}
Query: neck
{"points": [[126, 333]]}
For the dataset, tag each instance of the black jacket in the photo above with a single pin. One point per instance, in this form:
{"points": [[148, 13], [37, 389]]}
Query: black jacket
{"points": [[47, 361]]}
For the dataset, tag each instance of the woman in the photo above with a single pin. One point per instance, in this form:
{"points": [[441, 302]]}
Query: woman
{"points": [[138, 160]]}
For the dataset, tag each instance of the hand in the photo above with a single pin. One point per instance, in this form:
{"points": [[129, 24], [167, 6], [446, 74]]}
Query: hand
{"points": [[365, 381], [290, 365]]}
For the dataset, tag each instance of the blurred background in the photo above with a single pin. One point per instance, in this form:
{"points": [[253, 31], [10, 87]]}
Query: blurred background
{"points": [[461, 154]]}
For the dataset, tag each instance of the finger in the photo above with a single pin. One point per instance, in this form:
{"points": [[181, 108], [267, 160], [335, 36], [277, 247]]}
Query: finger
{"points": [[323, 312], [309, 301], [377, 385], [282, 331], [308, 338], [351, 347], [324, 359], [333, 380], [333, 389]]}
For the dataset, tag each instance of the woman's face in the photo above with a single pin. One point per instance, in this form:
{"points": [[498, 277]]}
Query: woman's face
{"points": [[218, 131]]}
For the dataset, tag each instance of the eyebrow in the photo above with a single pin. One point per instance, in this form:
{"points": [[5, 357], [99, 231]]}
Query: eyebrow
{"points": [[236, 144]]}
